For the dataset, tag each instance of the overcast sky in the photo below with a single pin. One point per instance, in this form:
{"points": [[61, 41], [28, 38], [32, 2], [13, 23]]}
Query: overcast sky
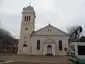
{"points": [[60, 13]]}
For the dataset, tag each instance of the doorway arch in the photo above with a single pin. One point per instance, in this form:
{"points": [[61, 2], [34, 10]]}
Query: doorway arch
{"points": [[25, 49], [49, 49]]}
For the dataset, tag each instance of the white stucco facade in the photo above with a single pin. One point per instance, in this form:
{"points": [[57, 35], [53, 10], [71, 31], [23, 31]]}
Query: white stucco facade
{"points": [[48, 36]]}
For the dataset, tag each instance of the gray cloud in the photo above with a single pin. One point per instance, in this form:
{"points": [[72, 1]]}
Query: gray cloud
{"points": [[1, 2], [60, 13]]}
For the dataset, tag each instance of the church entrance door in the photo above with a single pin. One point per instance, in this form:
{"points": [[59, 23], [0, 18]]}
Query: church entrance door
{"points": [[49, 49], [25, 49]]}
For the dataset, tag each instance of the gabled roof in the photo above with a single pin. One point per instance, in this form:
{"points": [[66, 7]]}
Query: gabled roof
{"points": [[35, 33]]}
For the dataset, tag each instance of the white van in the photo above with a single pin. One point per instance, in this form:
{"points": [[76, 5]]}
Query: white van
{"points": [[77, 52]]}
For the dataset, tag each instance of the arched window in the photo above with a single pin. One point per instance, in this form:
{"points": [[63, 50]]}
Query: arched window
{"points": [[60, 45], [49, 30], [38, 44], [24, 45], [29, 18], [25, 18], [49, 46]]}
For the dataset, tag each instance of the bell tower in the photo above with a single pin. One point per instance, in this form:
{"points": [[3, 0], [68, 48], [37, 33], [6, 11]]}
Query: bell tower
{"points": [[27, 27]]}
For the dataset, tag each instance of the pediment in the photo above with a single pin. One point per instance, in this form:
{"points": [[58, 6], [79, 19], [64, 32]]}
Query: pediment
{"points": [[49, 30]]}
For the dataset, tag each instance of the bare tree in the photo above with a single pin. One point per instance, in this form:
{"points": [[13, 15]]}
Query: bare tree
{"points": [[5, 38], [74, 33], [71, 29]]}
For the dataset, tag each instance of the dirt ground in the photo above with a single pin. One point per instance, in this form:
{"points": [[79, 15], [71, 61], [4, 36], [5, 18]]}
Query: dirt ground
{"points": [[25, 59]]}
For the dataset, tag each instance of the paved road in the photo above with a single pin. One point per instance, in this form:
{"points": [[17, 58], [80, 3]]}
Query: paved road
{"points": [[25, 59], [35, 63]]}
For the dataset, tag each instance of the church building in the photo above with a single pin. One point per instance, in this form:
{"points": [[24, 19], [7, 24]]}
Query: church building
{"points": [[47, 40]]}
